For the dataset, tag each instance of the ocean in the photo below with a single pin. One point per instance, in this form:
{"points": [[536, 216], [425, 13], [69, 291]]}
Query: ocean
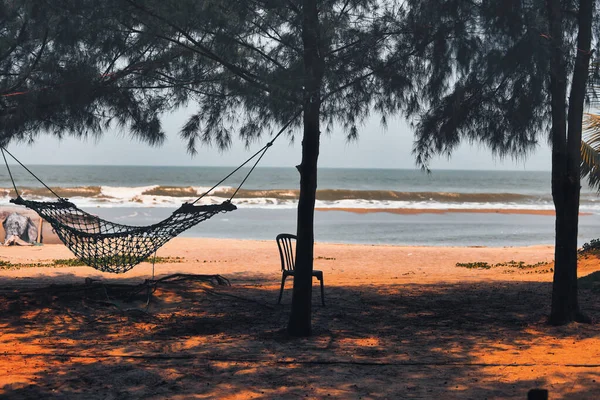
{"points": [[140, 195]]}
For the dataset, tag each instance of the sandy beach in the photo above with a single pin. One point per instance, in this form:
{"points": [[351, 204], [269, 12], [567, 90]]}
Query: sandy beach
{"points": [[400, 322]]}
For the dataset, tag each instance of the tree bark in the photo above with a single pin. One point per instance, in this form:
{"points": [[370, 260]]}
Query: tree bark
{"points": [[566, 158], [558, 135], [300, 316]]}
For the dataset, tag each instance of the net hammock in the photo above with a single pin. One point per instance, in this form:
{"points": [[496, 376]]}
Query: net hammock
{"points": [[111, 247]]}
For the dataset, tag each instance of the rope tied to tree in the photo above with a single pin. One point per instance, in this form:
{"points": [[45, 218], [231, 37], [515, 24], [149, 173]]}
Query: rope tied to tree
{"points": [[117, 248], [260, 153]]}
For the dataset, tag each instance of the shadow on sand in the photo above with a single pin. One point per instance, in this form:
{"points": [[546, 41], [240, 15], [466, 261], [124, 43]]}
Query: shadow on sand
{"points": [[484, 340]]}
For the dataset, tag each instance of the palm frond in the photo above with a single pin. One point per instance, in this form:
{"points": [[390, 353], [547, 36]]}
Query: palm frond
{"points": [[590, 150], [591, 129]]}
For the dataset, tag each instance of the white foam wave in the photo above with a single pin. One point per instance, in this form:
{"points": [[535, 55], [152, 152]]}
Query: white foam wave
{"points": [[134, 197], [120, 192]]}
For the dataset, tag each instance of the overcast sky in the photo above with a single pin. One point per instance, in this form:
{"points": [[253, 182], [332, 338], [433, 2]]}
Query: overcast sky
{"points": [[376, 148]]}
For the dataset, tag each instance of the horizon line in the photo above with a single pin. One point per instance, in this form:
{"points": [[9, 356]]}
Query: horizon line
{"points": [[273, 166]]}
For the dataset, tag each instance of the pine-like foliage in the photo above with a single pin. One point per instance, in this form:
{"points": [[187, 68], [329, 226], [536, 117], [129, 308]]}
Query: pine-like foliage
{"points": [[488, 81], [69, 67], [240, 63]]}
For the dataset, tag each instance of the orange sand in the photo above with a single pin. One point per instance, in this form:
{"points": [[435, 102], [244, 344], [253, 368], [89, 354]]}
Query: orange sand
{"points": [[400, 322]]}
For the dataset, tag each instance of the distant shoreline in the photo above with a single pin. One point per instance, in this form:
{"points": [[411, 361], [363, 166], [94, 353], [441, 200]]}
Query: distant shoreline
{"points": [[409, 211]]}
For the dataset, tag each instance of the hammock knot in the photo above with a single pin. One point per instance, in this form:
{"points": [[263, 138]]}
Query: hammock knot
{"points": [[36, 205], [228, 206], [190, 208], [18, 201]]}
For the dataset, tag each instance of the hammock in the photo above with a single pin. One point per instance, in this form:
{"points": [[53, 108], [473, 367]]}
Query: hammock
{"points": [[111, 247]]}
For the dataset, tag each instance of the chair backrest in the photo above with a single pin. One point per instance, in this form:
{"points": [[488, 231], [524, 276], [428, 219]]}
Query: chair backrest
{"points": [[286, 244]]}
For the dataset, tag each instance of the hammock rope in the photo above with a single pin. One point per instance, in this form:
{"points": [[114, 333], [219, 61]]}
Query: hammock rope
{"points": [[263, 150], [9, 172], [112, 247], [26, 169]]}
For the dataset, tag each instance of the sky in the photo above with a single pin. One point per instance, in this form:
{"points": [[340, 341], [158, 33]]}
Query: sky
{"points": [[376, 148]]}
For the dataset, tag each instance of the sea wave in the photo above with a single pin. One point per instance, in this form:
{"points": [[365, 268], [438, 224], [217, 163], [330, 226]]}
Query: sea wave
{"points": [[173, 196]]}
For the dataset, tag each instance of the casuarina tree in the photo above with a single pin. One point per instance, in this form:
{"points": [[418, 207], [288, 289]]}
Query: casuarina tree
{"points": [[251, 66], [503, 81], [67, 68]]}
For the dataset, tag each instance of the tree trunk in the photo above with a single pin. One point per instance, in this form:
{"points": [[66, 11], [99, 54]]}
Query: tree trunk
{"points": [[558, 91], [566, 167], [300, 316]]}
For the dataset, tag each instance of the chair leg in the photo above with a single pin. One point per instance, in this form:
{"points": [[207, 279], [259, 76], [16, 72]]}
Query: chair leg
{"points": [[281, 290], [322, 293]]}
